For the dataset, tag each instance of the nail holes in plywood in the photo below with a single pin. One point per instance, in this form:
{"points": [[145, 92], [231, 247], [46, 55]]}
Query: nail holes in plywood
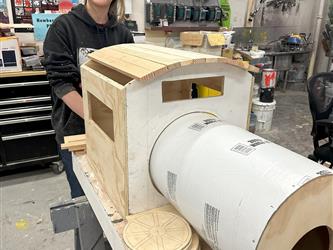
{"points": [[192, 88], [102, 115]]}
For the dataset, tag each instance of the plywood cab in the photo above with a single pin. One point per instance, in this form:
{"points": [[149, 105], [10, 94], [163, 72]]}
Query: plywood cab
{"points": [[132, 92]]}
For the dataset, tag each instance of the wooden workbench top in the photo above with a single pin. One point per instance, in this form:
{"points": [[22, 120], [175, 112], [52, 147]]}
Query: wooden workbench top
{"points": [[110, 220]]}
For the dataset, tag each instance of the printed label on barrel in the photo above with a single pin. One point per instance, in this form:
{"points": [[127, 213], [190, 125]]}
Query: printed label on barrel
{"points": [[172, 182], [198, 126], [243, 149], [211, 225]]}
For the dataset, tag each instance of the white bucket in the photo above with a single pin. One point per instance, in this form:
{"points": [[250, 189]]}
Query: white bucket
{"points": [[226, 181], [264, 112]]}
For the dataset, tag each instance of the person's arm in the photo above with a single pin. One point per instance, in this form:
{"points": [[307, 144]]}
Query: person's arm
{"points": [[62, 72], [75, 102]]}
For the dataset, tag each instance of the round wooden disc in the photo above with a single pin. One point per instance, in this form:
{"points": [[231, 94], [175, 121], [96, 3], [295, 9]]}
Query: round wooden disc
{"points": [[194, 243], [157, 231]]}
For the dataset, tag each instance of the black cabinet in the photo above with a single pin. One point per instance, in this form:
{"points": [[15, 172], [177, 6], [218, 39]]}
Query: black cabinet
{"points": [[26, 134]]}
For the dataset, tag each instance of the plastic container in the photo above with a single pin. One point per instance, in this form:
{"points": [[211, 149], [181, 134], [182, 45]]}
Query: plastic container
{"points": [[227, 182], [264, 112]]}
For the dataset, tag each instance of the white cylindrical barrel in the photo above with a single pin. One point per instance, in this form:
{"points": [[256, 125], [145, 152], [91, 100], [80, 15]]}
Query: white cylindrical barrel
{"points": [[226, 181]]}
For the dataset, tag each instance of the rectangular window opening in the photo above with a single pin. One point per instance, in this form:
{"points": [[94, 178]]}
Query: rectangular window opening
{"points": [[196, 88], [110, 73], [102, 115]]}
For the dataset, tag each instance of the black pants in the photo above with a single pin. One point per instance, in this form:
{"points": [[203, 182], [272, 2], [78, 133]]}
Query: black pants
{"points": [[76, 190]]}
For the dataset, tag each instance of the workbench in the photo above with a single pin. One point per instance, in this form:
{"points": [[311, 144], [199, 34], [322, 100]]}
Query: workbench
{"points": [[283, 61], [128, 172], [109, 219]]}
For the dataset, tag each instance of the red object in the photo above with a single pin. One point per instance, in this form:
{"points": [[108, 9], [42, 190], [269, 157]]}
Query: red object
{"points": [[27, 3], [269, 78], [65, 6]]}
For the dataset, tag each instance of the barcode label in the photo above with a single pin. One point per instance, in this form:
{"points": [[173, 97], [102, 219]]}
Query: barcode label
{"points": [[204, 124], [211, 220], [198, 126], [172, 181], [210, 121], [243, 149]]}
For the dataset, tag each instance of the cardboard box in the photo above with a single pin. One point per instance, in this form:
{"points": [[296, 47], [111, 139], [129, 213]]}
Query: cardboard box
{"points": [[10, 56]]}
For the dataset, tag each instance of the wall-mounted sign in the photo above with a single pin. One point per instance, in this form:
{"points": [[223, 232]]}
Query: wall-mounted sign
{"points": [[41, 23]]}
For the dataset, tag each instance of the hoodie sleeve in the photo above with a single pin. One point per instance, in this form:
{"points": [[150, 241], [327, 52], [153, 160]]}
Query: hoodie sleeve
{"points": [[129, 37], [62, 71]]}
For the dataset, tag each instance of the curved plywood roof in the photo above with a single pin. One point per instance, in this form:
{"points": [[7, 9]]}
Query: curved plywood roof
{"points": [[144, 61]]}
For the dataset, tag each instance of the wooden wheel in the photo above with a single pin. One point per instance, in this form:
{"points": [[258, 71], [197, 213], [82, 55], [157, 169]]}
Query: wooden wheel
{"points": [[157, 231]]}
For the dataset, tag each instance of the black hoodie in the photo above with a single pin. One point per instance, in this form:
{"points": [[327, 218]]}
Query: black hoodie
{"points": [[69, 39]]}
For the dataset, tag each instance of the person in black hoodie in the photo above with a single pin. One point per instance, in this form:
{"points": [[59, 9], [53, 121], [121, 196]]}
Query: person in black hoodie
{"points": [[88, 27]]}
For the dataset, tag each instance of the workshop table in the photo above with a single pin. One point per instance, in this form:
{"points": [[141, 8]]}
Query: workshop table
{"points": [[282, 62], [107, 216]]}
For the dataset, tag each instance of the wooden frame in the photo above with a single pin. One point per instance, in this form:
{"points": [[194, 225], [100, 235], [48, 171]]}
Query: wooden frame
{"points": [[125, 112]]}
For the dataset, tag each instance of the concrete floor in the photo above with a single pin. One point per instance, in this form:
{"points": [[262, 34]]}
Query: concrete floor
{"points": [[25, 196], [24, 211]]}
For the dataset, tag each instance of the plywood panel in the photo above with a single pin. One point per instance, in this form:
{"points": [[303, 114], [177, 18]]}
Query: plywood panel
{"points": [[107, 154], [288, 225], [148, 115]]}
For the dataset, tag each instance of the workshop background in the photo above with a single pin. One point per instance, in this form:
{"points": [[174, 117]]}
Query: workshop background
{"points": [[291, 38]]}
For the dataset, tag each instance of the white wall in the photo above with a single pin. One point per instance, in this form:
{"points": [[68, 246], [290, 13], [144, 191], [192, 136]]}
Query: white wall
{"points": [[138, 13], [238, 12]]}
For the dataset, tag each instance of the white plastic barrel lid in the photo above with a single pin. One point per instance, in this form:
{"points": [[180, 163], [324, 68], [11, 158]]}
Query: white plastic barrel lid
{"points": [[257, 102]]}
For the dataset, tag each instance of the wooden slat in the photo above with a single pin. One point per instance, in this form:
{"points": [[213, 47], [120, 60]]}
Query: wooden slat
{"points": [[181, 56], [157, 57], [253, 69], [144, 61], [22, 73], [196, 57], [128, 65], [74, 143], [74, 138]]}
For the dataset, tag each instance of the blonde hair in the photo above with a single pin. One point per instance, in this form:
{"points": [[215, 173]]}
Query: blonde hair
{"points": [[117, 8]]}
